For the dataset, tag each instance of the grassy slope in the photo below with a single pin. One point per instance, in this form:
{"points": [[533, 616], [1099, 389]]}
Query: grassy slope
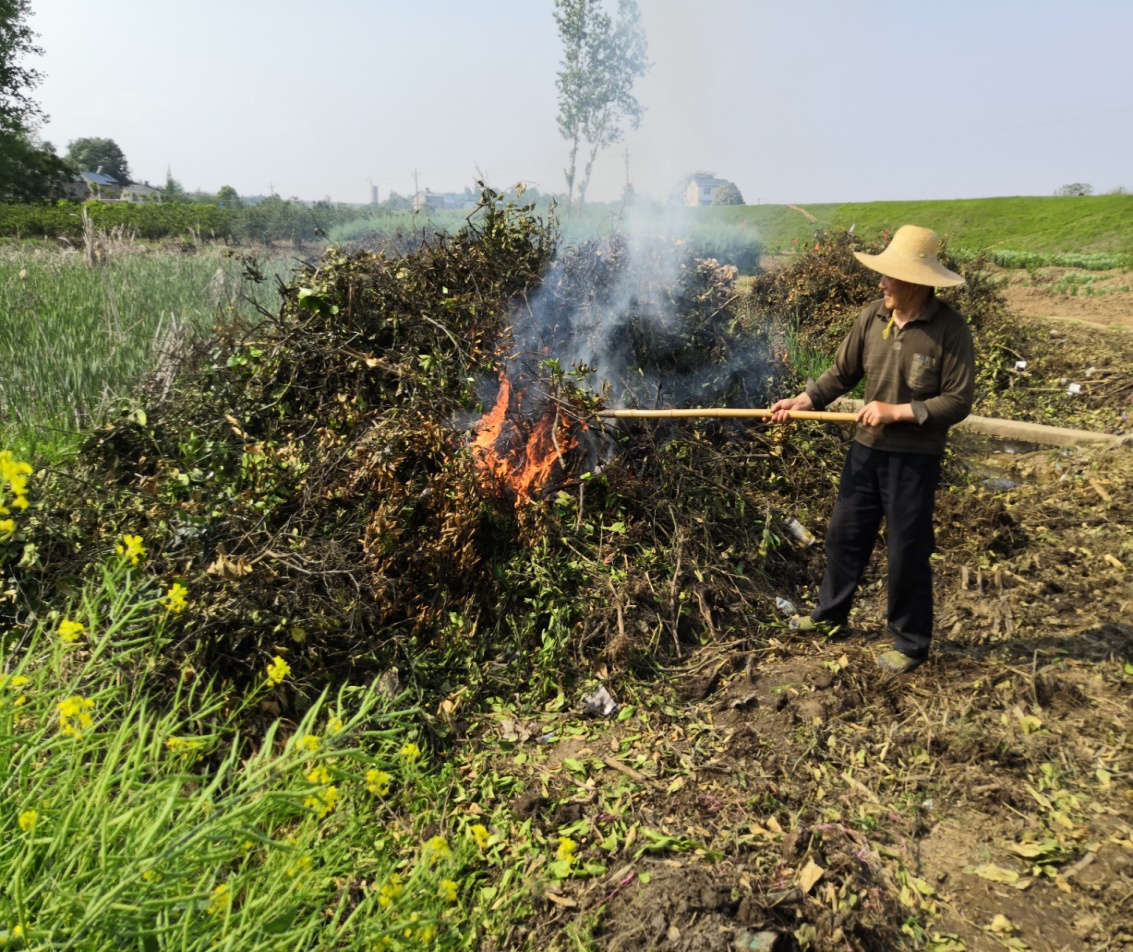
{"points": [[1101, 223]]}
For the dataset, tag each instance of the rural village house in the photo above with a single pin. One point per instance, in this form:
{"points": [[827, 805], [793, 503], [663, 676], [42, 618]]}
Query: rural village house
{"points": [[702, 190], [101, 185], [434, 201], [140, 194], [106, 188]]}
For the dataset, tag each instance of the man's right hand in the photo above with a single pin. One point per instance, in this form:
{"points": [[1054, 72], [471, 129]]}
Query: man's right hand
{"points": [[780, 412]]}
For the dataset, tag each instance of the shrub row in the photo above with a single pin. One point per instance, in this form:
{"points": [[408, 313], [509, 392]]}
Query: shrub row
{"points": [[272, 220]]}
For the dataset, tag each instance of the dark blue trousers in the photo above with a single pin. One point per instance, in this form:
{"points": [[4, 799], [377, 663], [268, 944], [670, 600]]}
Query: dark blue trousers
{"points": [[901, 488]]}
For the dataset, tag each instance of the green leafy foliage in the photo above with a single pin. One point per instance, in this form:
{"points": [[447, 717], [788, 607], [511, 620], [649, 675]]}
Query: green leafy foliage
{"points": [[93, 154], [272, 220]]}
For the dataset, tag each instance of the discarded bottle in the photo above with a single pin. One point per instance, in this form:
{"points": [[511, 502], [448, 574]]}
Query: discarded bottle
{"points": [[785, 606], [801, 532]]}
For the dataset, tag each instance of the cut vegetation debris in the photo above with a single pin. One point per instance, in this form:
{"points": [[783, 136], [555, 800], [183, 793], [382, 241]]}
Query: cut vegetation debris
{"points": [[341, 495]]}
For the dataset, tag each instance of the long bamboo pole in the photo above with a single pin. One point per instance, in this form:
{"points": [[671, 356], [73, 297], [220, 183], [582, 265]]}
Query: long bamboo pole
{"points": [[828, 416]]}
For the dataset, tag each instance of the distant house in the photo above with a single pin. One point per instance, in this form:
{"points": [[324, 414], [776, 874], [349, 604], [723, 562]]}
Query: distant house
{"points": [[100, 185], [434, 201], [140, 193], [701, 190]]}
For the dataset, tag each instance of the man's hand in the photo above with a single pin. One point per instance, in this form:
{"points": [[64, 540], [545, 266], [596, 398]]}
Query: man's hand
{"points": [[877, 413], [780, 412]]}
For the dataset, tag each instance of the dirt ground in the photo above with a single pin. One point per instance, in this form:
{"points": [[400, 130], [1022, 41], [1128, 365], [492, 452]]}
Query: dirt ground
{"points": [[1095, 297], [778, 792]]}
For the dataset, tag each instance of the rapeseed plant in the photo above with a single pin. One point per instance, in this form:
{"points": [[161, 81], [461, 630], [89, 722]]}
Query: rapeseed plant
{"points": [[220, 901], [277, 671], [69, 631], [391, 889], [480, 835], [565, 852], [11, 684], [13, 489], [436, 848], [15, 473], [74, 715], [377, 782], [175, 600], [131, 548]]}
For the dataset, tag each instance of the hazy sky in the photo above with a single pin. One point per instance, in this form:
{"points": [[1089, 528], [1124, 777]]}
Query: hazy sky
{"points": [[793, 100]]}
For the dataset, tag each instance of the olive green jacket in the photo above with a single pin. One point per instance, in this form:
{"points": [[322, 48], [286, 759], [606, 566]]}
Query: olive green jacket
{"points": [[929, 363]]}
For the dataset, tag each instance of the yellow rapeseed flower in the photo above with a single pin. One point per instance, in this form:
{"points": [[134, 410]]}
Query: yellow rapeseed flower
{"points": [[309, 743], [435, 848], [334, 725], [13, 683], [325, 800], [301, 865], [131, 547], [377, 782], [174, 600], [74, 715], [7, 526], [480, 835], [69, 631], [318, 775], [391, 889], [566, 849], [448, 890], [27, 820], [189, 747], [410, 752], [220, 901], [15, 474], [278, 670]]}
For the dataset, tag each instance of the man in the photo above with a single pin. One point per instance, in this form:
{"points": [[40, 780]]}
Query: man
{"points": [[917, 357]]}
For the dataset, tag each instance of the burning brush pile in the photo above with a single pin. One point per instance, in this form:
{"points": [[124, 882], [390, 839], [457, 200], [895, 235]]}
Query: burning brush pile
{"points": [[403, 468]]}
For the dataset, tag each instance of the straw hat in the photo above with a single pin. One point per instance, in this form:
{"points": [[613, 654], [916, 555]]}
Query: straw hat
{"points": [[912, 256]]}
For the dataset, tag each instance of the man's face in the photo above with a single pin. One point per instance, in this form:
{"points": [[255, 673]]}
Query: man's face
{"points": [[899, 295]]}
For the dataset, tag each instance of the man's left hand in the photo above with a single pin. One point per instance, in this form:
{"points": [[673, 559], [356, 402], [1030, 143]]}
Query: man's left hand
{"points": [[877, 413]]}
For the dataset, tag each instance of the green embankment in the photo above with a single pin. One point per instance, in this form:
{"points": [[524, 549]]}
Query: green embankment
{"points": [[1099, 224]]}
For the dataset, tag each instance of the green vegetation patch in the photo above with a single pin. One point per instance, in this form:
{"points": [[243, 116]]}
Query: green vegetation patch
{"points": [[79, 333]]}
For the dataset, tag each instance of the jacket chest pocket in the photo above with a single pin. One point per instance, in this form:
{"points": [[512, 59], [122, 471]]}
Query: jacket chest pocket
{"points": [[924, 374]]}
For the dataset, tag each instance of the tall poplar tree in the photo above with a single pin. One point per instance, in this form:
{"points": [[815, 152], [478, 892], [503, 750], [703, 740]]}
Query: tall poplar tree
{"points": [[602, 58]]}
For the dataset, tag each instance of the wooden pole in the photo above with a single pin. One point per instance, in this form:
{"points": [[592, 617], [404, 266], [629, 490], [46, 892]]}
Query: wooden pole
{"points": [[824, 415]]}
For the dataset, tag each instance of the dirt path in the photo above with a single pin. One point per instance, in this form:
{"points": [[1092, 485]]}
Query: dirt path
{"points": [[802, 211]]}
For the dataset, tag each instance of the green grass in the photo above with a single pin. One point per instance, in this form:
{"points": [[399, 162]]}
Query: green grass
{"points": [[140, 814], [1092, 232], [146, 808], [73, 337], [1050, 226]]}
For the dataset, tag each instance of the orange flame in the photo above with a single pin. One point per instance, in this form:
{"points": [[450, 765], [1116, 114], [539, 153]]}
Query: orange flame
{"points": [[524, 455]]}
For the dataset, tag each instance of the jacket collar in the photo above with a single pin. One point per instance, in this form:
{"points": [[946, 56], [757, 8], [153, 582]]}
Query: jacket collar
{"points": [[930, 311]]}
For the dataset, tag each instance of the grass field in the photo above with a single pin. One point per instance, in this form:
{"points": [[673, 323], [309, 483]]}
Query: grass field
{"points": [[1049, 226], [73, 337]]}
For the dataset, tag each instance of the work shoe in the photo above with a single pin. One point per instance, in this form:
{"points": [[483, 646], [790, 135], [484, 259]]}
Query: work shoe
{"points": [[805, 623], [897, 662]]}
